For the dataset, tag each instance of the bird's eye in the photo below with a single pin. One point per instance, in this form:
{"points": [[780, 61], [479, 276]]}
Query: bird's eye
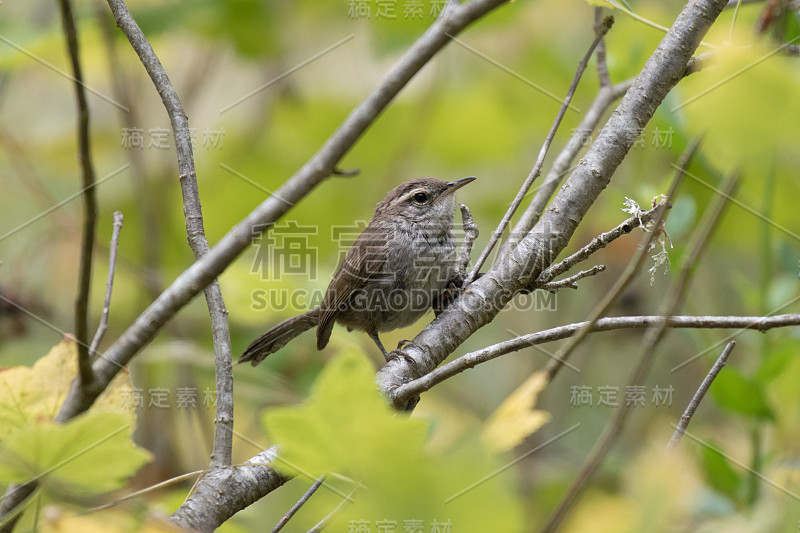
{"points": [[420, 198]]}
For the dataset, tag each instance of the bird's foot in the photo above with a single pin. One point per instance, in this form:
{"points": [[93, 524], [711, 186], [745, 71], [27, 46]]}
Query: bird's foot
{"points": [[400, 354]]}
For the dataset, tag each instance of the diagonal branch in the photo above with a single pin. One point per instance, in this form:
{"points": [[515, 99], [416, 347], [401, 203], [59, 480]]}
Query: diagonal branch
{"points": [[571, 282], [605, 97], [699, 395]]}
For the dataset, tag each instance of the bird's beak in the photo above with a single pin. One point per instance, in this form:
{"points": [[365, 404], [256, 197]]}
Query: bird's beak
{"points": [[453, 186]]}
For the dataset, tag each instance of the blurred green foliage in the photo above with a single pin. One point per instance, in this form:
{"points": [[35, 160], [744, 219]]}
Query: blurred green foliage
{"points": [[462, 115]]}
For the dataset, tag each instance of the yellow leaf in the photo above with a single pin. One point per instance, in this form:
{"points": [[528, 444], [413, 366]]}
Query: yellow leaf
{"points": [[92, 453], [515, 419], [30, 393], [33, 393]]}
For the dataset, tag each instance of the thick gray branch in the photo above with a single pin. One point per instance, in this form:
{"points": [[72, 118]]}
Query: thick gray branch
{"points": [[516, 269], [226, 491]]}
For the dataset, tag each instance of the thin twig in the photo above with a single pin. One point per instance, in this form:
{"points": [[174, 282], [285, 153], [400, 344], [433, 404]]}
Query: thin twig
{"points": [[605, 97], [112, 262], [322, 524], [645, 356], [601, 241], [143, 186], [571, 281], [296, 507], [602, 66], [220, 331], [537, 167], [147, 490], [86, 376], [698, 396], [472, 359]]}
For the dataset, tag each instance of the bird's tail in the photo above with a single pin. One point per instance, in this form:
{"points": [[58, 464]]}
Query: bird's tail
{"points": [[274, 339]]}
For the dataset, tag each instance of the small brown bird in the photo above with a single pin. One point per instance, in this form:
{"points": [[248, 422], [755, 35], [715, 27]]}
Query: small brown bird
{"points": [[395, 271]]}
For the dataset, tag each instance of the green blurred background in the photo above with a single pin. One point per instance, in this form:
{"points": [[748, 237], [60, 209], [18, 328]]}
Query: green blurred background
{"points": [[464, 114]]}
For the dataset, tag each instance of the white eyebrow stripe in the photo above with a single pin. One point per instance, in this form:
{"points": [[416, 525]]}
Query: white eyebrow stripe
{"points": [[410, 194]]}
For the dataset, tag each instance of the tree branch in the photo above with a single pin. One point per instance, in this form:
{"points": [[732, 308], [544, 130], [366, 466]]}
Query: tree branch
{"points": [[605, 97], [473, 359], [223, 492], [221, 452], [699, 395], [601, 241], [86, 377], [537, 167], [112, 263]]}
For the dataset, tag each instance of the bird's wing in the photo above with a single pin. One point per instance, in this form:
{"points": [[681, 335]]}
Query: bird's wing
{"points": [[364, 262]]}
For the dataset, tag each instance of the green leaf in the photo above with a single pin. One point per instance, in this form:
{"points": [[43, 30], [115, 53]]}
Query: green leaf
{"points": [[719, 473], [744, 70], [738, 394], [91, 454], [347, 429]]}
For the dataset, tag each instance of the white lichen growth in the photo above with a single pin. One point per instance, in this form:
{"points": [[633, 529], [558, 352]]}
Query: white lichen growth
{"points": [[632, 208], [661, 258]]}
